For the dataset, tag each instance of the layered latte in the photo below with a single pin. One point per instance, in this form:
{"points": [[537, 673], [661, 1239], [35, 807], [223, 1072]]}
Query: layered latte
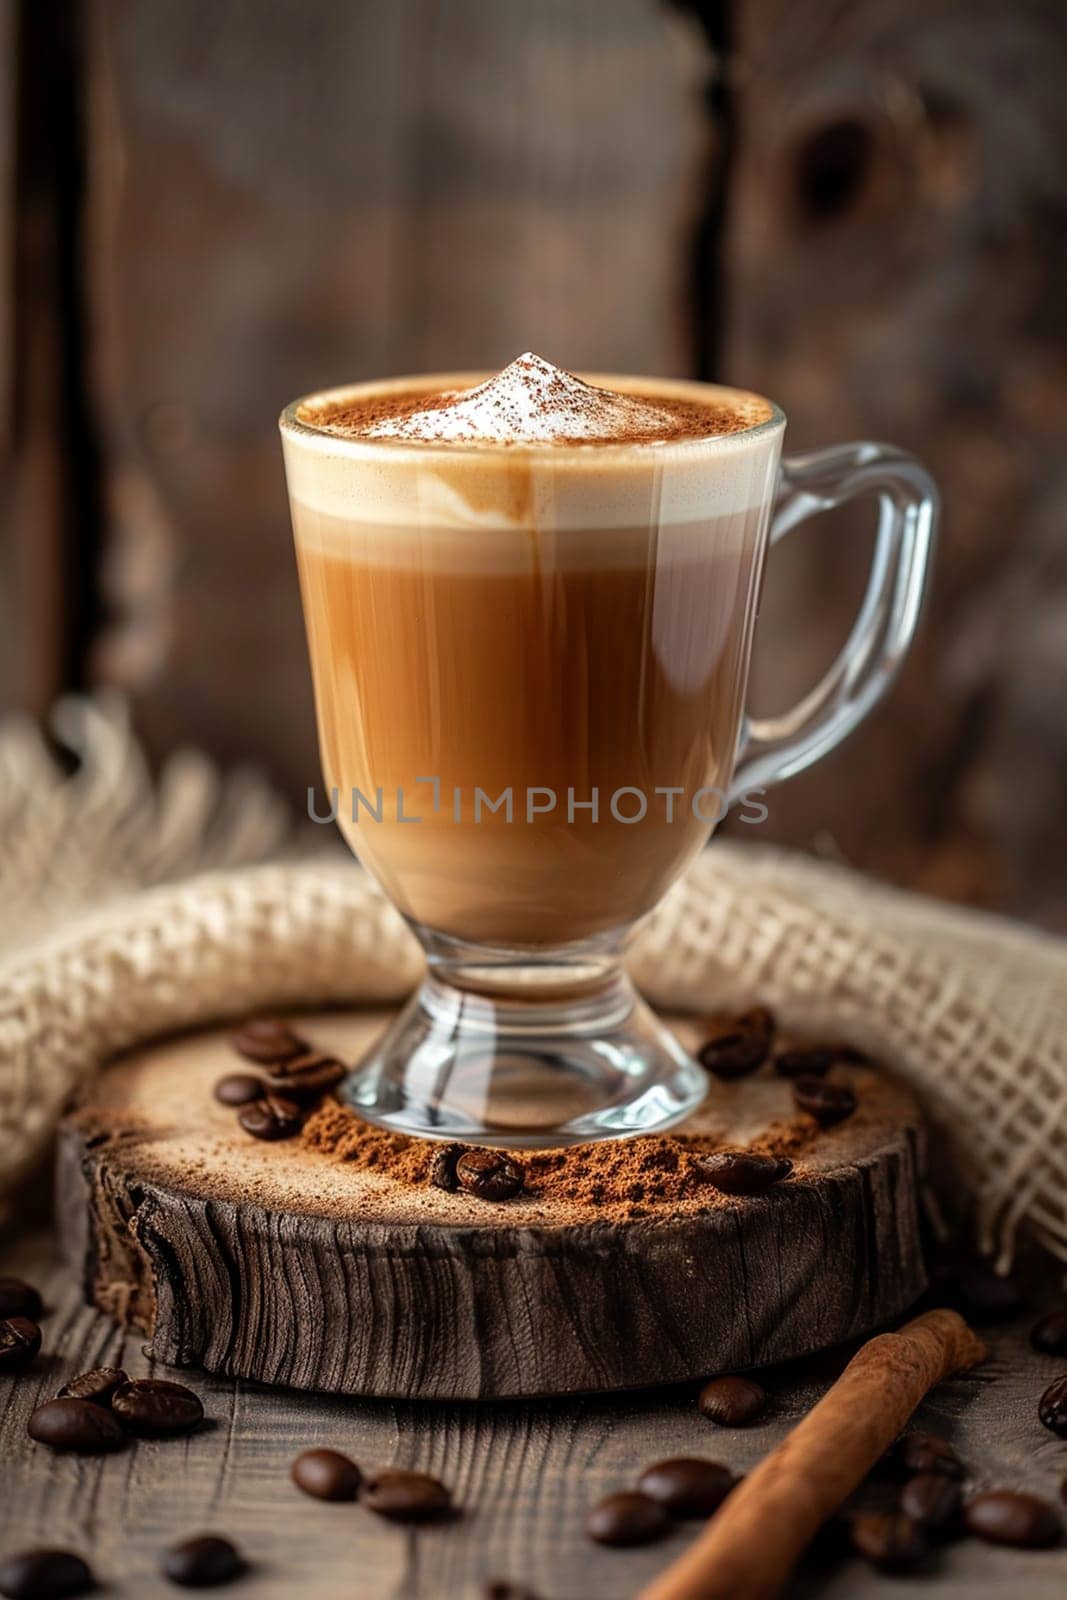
{"points": [[530, 602]]}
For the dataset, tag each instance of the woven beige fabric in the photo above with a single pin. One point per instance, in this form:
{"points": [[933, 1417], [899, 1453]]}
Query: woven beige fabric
{"points": [[971, 1010]]}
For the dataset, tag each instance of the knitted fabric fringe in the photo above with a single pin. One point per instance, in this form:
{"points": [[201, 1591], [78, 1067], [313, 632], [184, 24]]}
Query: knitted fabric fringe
{"points": [[971, 1010]]}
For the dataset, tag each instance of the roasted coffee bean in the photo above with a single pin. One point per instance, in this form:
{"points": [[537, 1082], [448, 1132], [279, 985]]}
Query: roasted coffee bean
{"points": [[731, 1402], [626, 1519], [687, 1487], [238, 1089], [443, 1167], [268, 1040], [99, 1385], [920, 1453], [326, 1474], [44, 1575], [154, 1406], [405, 1496], [1049, 1334], [851, 1055], [1002, 1517], [1052, 1407], [202, 1563], [741, 1171], [18, 1299], [891, 1542], [933, 1501], [271, 1118], [826, 1102], [490, 1174], [20, 1340], [738, 1045], [77, 1426], [760, 1019], [813, 1062], [307, 1078]]}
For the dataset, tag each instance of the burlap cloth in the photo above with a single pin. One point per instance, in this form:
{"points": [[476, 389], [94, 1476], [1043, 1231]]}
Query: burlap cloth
{"points": [[971, 1010]]}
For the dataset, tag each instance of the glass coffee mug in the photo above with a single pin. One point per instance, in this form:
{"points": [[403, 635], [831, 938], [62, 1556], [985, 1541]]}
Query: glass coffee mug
{"points": [[530, 667]]}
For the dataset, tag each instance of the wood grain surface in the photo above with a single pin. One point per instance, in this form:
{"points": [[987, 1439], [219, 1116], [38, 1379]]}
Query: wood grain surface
{"points": [[894, 256], [273, 1262], [857, 209], [525, 1475], [353, 191]]}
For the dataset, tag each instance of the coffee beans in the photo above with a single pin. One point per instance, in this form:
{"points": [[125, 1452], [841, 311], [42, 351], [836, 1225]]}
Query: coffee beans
{"points": [[268, 1040], [20, 1340], [271, 1118], [296, 1077], [44, 1575], [98, 1386], [1049, 1334], [813, 1062], [202, 1563], [890, 1541], [77, 1426], [156, 1408], [326, 1475], [443, 1167], [627, 1519], [920, 1453], [1052, 1407], [487, 1174], [687, 1487], [406, 1496], [737, 1045], [933, 1502], [490, 1174], [18, 1299], [238, 1089], [306, 1078], [1002, 1517], [758, 1019], [741, 1172], [827, 1102], [731, 1402]]}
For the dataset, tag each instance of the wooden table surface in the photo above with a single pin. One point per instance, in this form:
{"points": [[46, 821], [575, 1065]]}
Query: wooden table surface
{"points": [[523, 1473]]}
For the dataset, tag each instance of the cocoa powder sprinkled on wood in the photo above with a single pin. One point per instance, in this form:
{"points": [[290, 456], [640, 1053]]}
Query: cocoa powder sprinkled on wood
{"points": [[605, 1181]]}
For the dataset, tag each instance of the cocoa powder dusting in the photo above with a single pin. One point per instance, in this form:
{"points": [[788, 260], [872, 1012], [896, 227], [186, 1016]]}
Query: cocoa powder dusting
{"points": [[533, 402], [597, 1182]]}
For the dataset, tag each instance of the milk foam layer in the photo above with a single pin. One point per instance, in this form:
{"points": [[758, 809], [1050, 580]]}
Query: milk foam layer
{"points": [[531, 448]]}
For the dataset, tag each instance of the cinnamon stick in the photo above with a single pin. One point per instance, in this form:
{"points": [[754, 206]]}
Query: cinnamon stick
{"points": [[754, 1541]]}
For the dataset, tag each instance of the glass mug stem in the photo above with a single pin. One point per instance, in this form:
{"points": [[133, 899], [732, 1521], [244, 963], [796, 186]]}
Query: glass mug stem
{"points": [[561, 617], [525, 1049]]}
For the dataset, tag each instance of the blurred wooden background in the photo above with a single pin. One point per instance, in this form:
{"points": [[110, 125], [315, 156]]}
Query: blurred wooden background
{"points": [[209, 206]]}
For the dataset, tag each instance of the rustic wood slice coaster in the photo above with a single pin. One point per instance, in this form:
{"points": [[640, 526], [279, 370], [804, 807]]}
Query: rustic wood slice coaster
{"points": [[279, 1263]]}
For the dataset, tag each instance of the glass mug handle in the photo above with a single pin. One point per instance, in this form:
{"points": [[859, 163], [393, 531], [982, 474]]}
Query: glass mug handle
{"points": [[773, 748]]}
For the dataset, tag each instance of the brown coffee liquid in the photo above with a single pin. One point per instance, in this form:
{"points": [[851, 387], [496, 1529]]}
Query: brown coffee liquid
{"points": [[504, 658]]}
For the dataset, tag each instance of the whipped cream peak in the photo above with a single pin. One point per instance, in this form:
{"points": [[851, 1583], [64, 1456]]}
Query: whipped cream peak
{"points": [[529, 402]]}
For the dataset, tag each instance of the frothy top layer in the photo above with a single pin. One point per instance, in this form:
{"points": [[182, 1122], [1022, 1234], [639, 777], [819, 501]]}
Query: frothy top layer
{"points": [[655, 452], [531, 402]]}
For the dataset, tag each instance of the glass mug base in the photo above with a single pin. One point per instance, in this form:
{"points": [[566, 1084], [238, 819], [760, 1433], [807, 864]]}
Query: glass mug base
{"points": [[524, 1052]]}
